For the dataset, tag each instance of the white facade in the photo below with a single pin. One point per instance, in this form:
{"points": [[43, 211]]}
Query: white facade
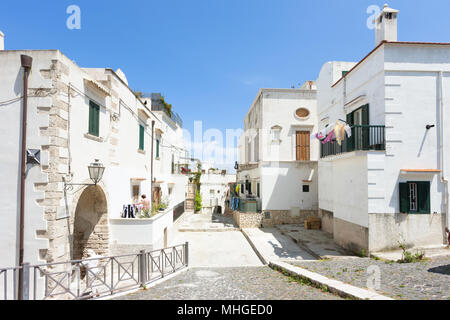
{"points": [[268, 150], [58, 125], [406, 87], [214, 188]]}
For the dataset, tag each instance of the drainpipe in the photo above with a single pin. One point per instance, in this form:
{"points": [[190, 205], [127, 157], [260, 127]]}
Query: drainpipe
{"points": [[441, 150], [151, 164], [26, 63]]}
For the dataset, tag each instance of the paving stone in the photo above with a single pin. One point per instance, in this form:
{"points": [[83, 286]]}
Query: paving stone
{"points": [[428, 280], [243, 283]]}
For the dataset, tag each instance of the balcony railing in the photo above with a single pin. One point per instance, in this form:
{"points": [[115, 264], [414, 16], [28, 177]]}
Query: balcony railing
{"points": [[364, 138]]}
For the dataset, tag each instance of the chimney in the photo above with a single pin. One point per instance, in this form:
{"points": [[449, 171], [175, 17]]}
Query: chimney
{"points": [[2, 41], [386, 25]]}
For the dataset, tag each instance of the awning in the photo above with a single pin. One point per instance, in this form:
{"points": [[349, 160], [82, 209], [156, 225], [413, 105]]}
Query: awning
{"points": [[97, 86], [429, 171]]}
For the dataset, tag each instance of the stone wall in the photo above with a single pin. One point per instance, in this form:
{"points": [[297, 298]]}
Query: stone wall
{"points": [[247, 220], [277, 217]]}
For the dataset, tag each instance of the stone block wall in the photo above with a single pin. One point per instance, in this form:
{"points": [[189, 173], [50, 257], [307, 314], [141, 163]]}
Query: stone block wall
{"points": [[247, 220], [278, 217]]}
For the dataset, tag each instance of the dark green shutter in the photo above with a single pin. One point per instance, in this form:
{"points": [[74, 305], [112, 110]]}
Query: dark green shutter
{"points": [[365, 129], [157, 148], [423, 194], [94, 119], [141, 137], [350, 141], [404, 198]]}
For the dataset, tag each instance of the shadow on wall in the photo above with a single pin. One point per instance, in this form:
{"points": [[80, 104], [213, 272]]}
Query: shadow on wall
{"points": [[287, 189]]}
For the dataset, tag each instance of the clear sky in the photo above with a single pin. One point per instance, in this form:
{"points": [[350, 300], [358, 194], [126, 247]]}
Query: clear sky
{"points": [[210, 57]]}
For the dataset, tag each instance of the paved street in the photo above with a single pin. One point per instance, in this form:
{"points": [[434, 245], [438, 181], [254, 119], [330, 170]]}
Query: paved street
{"points": [[429, 280], [242, 283], [219, 249], [223, 265]]}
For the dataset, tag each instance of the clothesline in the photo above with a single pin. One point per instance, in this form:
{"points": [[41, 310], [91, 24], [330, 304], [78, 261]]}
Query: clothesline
{"points": [[338, 132]]}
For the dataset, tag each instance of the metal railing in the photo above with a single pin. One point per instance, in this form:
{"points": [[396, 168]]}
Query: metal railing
{"points": [[92, 278], [364, 138]]}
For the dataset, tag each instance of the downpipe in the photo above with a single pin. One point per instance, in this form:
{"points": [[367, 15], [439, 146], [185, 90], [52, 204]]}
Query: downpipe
{"points": [[26, 63], [441, 151]]}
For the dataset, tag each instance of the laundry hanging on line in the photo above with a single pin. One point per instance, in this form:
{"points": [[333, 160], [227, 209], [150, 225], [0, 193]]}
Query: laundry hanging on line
{"points": [[338, 132]]}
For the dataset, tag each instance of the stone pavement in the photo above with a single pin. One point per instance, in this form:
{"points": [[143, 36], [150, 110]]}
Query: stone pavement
{"points": [[316, 242], [429, 280], [218, 249], [243, 283], [274, 246]]}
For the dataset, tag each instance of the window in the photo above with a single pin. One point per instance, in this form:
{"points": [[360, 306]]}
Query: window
{"points": [[173, 164], [344, 73], [94, 119], [302, 113], [415, 197], [258, 190], [305, 188], [157, 148], [303, 145], [141, 137], [276, 133]]}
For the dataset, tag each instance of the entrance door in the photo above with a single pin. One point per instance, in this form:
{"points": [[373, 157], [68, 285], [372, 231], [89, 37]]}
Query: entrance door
{"points": [[156, 195], [303, 145]]}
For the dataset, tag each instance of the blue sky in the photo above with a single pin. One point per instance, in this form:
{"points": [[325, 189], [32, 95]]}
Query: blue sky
{"points": [[210, 57]]}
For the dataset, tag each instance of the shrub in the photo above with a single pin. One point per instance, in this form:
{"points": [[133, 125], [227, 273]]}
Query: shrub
{"points": [[198, 201]]}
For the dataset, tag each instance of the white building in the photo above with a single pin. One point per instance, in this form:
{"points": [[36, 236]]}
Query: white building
{"points": [[388, 182], [214, 188], [277, 161], [76, 115]]}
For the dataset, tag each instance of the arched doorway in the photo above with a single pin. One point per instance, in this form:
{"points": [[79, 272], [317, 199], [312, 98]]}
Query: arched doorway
{"points": [[90, 229]]}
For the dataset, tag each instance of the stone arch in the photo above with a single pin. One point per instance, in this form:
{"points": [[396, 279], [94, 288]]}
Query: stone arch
{"points": [[90, 223]]}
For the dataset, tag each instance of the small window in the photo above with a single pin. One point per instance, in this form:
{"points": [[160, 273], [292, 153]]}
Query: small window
{"points": [[344, 73], [305, 188], [94, 119], [415, 197], [141, 137]]}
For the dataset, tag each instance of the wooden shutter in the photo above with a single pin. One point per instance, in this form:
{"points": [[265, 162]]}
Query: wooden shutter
{"points": [[423, 195], [404, 197], [366, 129], [94, 119], [157, 148], [141, 137], [303, 145]]}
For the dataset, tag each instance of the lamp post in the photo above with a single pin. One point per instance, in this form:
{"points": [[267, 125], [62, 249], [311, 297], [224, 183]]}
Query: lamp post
{"points": [[96, 170]]}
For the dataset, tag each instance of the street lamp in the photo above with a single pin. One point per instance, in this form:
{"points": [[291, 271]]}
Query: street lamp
{"points": [[96, 170]]}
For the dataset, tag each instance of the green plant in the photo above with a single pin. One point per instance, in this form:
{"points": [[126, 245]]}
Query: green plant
{"points": [[363, 253], [198, 201], [167, 106], [408, 257]]}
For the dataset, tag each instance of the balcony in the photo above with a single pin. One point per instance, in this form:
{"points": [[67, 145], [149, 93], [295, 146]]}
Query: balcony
{"points": [[364, 138]]}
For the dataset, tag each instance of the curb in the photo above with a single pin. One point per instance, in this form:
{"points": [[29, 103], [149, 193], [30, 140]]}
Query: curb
{"points": [[260, 256], [334, 286]]}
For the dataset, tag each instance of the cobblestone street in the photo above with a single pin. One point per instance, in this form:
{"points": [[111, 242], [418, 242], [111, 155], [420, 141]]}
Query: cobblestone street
{"points": [[428, 280], [243, 283]]}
